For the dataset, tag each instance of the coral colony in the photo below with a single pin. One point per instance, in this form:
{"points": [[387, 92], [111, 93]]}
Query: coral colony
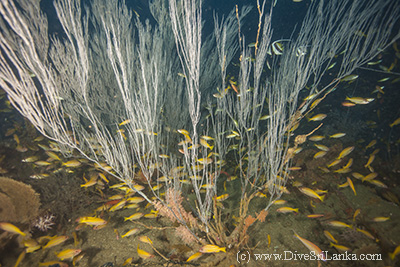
{"points": [[44, 223]]}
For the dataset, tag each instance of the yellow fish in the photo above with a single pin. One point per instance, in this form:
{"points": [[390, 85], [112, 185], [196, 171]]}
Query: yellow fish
{"points": [[311, 193], [222, 197], [345, 152], [68, 253], [366, 233], [370, 160], [204, 143], [72, 163], [340, 247], [321, 147], [55, 241], [144, 254], [135, 216], [287, 210], [124, 122], [316, 138], [91, 182], [360, 100], [118, 206], [396, 122], [371, 144], [319, 154], [339, 224], [337, 135], [356, 213], [312, 247], [395, 253], [212, 249], [334, 163], [94, 221], [380, 219], [330, 236], [195, 256], [8, 227], [351, 185], [318, 117], [130, 232], [370, 176]]}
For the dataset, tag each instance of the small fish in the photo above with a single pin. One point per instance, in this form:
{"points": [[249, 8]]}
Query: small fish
{"points": [[316, 138], [195, 256], [330, 236], [53, 155], [205, 161], [396, 122], [321, 147], [366, 233], [53, 263], [72, 163], [144, 254], [30, 159], [222, 197], [331, 66], [277, 48], [371, 144], [130, 232], [349, 78], [337, 135], [204, 143], [68, 253], [91, 182], [212, 249], [349, 164], [370, 160], [314, 216], [118, 206], [356, 213], [312, 247], [311, 193], [380, 219], [340, 247], [145, 239], [279, 202], [370, 177], [133, 217], [287, 210], [345, 152], [320, 154], [42, 163], [395, 253], [94, 221], [32, 249], [360, 100], [8, 227], [350, 182], [374, 62], [56, 240], [318, 117], [348, 104], [127, 261], [384, 80], [357, 175], [124, 122], [339, 224], [334, 163]]}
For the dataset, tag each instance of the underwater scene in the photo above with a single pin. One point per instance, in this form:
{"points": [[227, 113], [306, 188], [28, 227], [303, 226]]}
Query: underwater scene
{"points": [[199, 133]]}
